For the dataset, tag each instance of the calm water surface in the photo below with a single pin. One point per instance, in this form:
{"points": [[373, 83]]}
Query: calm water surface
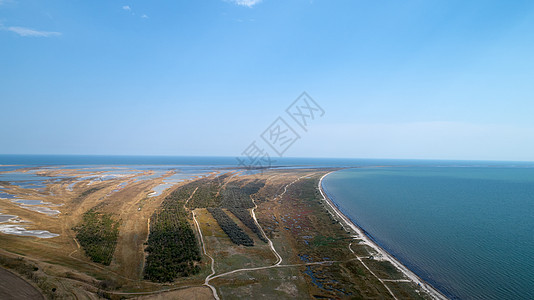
{"points": [[468, 231]]}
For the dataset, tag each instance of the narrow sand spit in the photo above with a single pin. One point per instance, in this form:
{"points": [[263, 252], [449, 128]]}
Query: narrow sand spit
{"points": [[383, 254]]}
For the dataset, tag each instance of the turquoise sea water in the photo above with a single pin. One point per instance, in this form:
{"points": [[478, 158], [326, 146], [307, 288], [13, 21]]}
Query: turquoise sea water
{"points": [[469, 231]]}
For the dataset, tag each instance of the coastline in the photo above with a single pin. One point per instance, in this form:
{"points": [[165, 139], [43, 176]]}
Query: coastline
{"points": [[360, 234]]}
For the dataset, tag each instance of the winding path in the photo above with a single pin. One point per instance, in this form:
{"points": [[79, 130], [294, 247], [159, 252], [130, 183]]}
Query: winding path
{"points": [[368, 269], [277, 264], [209, 277], [278, 257], [206, 281], [274, 266]]}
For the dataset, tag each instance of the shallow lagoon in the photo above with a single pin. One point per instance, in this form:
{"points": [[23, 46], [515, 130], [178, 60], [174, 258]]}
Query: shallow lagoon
{"points": [[21, 231], [6, 218], [44, 208], [17, 229], [177, 178], [28, 179], [7, 196], [156, 191]]}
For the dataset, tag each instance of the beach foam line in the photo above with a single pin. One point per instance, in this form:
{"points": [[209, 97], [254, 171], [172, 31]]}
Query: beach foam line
{"points": [[384, 255]]}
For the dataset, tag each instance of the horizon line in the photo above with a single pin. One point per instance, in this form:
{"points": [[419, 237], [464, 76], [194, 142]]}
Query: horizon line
{"points": [[288, 157]]}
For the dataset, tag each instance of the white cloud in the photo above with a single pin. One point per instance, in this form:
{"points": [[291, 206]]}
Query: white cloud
{"points": [[248, 3], [130, 10], [23, 31]]}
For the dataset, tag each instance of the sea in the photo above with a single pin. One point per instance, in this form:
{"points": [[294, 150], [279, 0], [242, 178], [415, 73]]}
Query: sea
{"points": [[465, 227], [466, 230]]}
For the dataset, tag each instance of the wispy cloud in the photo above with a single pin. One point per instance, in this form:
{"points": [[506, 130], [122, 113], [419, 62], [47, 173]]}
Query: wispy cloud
{"points": [[129, 9], [23, 31], [248, 3]]}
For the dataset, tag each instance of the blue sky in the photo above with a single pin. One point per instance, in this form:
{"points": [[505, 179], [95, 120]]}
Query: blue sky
{"points": [[397, 79]]}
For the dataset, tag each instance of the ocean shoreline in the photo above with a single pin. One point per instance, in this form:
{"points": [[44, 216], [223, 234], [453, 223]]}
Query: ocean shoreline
{"points": [[360, 234]]}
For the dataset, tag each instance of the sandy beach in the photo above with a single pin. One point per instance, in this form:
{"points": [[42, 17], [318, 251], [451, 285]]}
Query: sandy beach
{"points": [[382, 254]]}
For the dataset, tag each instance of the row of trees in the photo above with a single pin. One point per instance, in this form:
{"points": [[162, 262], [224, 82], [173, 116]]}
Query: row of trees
{"points": [[234, 232], [237, 194], [212, 193], [244, 216], [97, 234], [172, 249], [207, 194]]}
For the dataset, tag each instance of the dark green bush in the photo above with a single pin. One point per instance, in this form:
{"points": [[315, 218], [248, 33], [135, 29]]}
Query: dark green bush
{"points": [[234, 232], [98, 234]]}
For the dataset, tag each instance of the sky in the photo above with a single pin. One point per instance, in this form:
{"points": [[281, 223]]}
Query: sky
{"points": [[421, 79]]}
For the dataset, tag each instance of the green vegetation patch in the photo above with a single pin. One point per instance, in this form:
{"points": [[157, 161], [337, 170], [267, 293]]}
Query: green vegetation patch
{"points": [[237, 195], [321, 240], [98, 234], [207, 194], [384, 269], [244, 216], [173, 249], [234, 232], [211, 192]]}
